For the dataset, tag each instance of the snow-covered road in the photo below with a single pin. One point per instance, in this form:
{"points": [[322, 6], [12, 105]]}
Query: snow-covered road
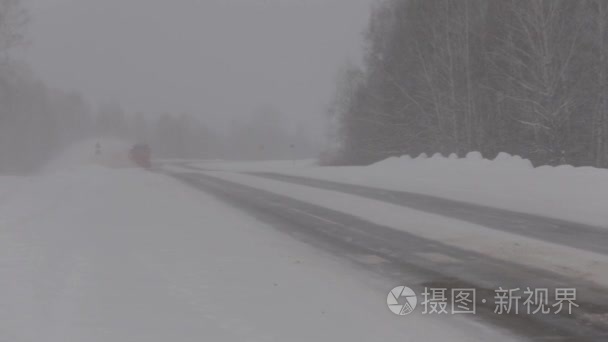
{"points": [[576, 194], [94, 254], [454, 252], [505, 245]]}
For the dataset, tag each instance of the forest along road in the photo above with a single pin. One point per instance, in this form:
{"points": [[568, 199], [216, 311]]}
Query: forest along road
{"points": [[403, 258]]}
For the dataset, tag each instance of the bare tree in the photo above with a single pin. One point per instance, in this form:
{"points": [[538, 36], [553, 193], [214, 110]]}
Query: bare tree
{"points": [[520, 76], [538, 65], [600, 117], [13, 21]]}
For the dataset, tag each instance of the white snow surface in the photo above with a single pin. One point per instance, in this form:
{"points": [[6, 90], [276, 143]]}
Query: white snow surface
{"points": [[578, 194], [100, 254]]}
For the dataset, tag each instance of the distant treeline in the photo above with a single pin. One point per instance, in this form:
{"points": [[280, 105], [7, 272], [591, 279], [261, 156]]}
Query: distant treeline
{"points": [[527, 77], [38, 122], [34, 119], [266, 134]]}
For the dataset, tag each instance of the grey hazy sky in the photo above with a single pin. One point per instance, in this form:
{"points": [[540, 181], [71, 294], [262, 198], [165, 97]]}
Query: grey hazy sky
{"points": [[213, 58]]}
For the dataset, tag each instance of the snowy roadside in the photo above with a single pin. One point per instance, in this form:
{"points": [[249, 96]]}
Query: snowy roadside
{"points": [[508, 182], [567, 261], [97, 254]]}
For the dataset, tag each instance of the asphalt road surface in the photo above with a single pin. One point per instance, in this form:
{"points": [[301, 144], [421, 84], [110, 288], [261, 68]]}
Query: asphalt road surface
{"points": [[403, 258]]}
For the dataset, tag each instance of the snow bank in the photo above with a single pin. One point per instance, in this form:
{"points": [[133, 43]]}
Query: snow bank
{"points": [[511, 182], [577, 194]]}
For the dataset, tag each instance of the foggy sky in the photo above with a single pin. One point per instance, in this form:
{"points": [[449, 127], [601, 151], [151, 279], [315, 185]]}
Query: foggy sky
{"points": [[212, 58]]}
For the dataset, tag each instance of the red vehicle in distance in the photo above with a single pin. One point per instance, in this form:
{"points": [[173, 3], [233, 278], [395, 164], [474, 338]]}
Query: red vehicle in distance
{"points": [[140, 155]]}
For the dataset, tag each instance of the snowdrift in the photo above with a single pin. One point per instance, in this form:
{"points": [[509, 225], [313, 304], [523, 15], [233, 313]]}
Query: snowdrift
{"points": [[577, 194], [511, 182]]}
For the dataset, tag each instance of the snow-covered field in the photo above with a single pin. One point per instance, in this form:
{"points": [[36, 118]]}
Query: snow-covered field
{"points": [[99, 254], [508, 182]]}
